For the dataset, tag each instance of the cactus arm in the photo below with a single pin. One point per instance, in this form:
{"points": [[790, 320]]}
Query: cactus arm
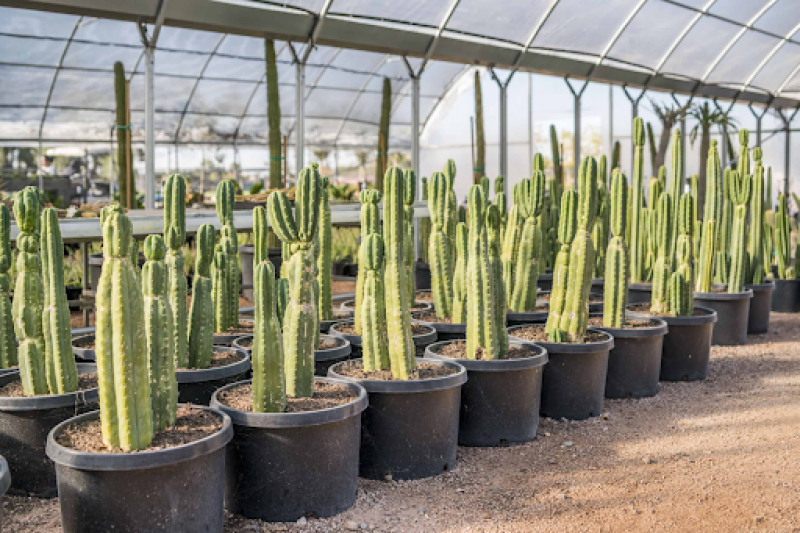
{"points": [[439, 247], [566, 234], [269, 395], [680, 295], [324, 258], [202, 312], [460, 288], [175, 238], [556, 154], [493, 228], [370, 223], [374, 339], [684, 250], [617, 267], [530, 246], [663, 266], [740, 197], [675, 185], [756, 234], [511, 249], [711, 221]]}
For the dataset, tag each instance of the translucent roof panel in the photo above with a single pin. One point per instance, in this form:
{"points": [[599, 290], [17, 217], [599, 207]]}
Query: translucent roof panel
{"points": [[27, 51], [412, 11], [778, 68], [743, 58], [781, 18], [514, 22], [700, 47], [741, 11]]}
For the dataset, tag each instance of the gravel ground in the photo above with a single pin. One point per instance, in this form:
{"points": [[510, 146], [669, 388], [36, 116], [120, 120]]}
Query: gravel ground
{"points": [[718, 455]]}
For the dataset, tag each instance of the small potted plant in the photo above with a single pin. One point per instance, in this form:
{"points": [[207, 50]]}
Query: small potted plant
{"points": [[177, 473], [294, 435], [410, 429]]}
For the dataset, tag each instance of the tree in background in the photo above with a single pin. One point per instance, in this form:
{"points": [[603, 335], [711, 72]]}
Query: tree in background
{"points": [[480, 142], [707, 118]]}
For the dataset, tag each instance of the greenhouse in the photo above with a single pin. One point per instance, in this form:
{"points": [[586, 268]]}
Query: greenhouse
{"points": [[429, 265]]}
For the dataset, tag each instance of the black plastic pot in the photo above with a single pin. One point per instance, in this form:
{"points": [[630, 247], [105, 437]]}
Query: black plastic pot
{"points": [[283, 466], [733, 310], [422, 276], [525, 317], [598, 286], [786, 298], [420, 341], [84, 355], [594, 307], [687, 345], [500, 400], [410, 429], [96, 267], [419, 306], [4, 371], [24, 425], [639, 293], [545, 281], [5, 482], [574, 380], [323, 359], [225, 339], [760, 305], [178, 489], [247, 253], [197, 386], [634, 364], [351, 270], [339, 315], [445, 331]]}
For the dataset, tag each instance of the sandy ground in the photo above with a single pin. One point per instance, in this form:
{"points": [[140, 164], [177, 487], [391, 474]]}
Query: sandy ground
{"points": [[718, 455]]}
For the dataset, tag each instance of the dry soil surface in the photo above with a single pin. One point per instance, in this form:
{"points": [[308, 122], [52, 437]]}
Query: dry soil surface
{"points": [[717, 455]]}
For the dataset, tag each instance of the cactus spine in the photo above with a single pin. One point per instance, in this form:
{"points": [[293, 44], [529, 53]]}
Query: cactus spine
{"points": [[398, 318], [269, 394], [755, 245], [636, 241], [566, 234], [370, 223], [175, 237], [528, 256], [301, 321], [201, 314], [226, 261], [121, 351], [617, 267], [159, 334], [740, 197], [29, 294], [8, 340], [374, 337], [439, 247], [711, 220], [324, 236], [662, 267], [460, 287], [409, 196]]}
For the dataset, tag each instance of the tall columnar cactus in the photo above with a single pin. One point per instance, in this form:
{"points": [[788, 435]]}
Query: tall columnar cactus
{"points": [[711, 221], [617, 266], [226, 261], [301, 321], [675, 184], [382, 160], [555, 151], [269, 393], [553, 203], [502, 203], [695, 192], [398, 318], [201, 314], [273, 115], [651, 142], [567, 226], [681, 299], [451, 211], [496, 279], [409, 197], [62, 374], [374, 337], [123, 131], [159, 334], [743, 163], [8, 340], [260, 235], [282, 296], [528, 257], [654, 191], [29, 294], [575, 317], [424, 226], [370, 223], [175, 237], [649, 232], [636, 241], [741, 187], [480, 140], [723, 259], [685, 247], [600, 233], [783, 234], [460, 287], [662, 269], [120, 347], [439, 248], [324, 258], [511, 240], [755, 245], [616, 155]]}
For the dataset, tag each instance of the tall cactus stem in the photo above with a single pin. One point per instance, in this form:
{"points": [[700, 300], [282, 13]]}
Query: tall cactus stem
{"points": [[176, 289], [201, 313]]}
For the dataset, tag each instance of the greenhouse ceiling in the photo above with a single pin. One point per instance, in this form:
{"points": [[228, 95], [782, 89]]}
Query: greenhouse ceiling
{"points": [[56, 57]]}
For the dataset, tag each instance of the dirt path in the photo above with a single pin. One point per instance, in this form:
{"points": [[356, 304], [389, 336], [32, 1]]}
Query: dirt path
{"points": [[719, 455]]}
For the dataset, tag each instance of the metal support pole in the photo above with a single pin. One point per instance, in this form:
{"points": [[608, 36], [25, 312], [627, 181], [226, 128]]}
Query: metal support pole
{"points": [[577, 137], [150, 137], [610, 119], [415, 127], [85, 281], [634, 112], [530, 123], [787, 159], [759, 118], [503, 86]]}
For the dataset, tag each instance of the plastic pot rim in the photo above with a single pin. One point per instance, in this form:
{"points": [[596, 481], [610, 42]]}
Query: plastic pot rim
{"points": [[200, 375], [112, 462], [496, 365], [410, 386], [337, 352], [350, 304], [518, 316], [658, 328], [355, 340], [569, 347], [768, 285], [710, 317], [294, 420], [50, 401], [444, 327], [724, 296], [84, 353]]}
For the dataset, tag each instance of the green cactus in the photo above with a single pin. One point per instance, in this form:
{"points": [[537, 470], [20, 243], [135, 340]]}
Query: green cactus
{"points": [[273, 115], [260, 235], [500, 305], [269, 393], [62, 374], [29, 294], [382, 161], [528, 257], [511, 240], [324, 259], [201, 314], [424, 226], [755, 270], [440, 246], [502, 203], [409, 197], [783, 235], [370, 223], [567, 226], [743, 163], [685, 247], [175, 237], [555, 151], [120, 347], [651, 142], [480, 138], [226, 261], [602, 173], [301, 320], [159, 334], [675, 186], [740, 192], [694, 184], [617, 267], [711, 221], [725, 227], [450, 219], [680, 295], [374, 338], [649, 231], [281, 298], [460, 288], [600, 233], [655, 190], [398, 318], [8, 340], [616, 156], [662, 269], [123, 132], [636, 241]]}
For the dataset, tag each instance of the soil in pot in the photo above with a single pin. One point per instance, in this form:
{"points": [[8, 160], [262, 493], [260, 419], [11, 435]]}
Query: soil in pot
{"points": [[424, 296], [176, 484], [410, 429], [196, 386], [500, 401], [338, 316], [308, 455]]}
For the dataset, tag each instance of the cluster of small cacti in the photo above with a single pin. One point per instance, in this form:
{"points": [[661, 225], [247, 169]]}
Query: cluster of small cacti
{"points": [[225, 267]]}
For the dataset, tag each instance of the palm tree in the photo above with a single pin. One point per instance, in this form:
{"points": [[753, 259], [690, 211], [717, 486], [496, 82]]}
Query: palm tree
{"points": [[707, 118]]}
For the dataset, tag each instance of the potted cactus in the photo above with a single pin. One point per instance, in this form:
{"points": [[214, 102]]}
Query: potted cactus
{"points": [[177, 472], [758, 272], [410, 429], [8, 341], [574, 381], [786, 298], [422, 272], [295, 435], [48, 387], [500, 401], [636, 229], [634, 363]]}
